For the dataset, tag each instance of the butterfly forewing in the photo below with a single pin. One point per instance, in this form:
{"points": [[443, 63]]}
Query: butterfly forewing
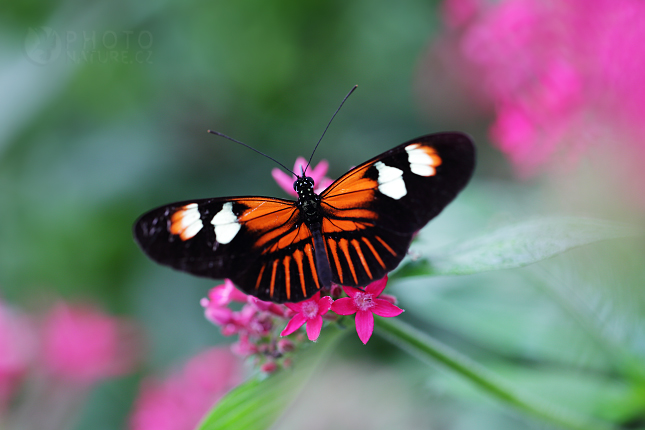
{"points": [[373, 211]]}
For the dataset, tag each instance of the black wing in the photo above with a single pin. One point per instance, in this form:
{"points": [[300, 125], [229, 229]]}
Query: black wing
{"points": [[260, 243], [373, 211]]}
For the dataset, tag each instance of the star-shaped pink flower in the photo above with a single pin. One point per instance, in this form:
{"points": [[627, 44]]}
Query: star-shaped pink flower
{"points": [[316, 173], [309, 311], [366, 303]]}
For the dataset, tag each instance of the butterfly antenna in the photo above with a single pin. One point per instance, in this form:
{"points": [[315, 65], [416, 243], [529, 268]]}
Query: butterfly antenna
{"points": [[250, 147], [323, 135]]}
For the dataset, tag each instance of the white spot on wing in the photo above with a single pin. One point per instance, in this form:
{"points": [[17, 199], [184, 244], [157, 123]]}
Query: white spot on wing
{"points": [[225, 223], [190, 215], [192, 230], [390, 181], [421, 162], [186, 221]]}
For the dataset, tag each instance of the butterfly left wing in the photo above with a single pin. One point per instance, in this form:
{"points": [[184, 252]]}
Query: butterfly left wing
{"points": [[371, 214], [260, 243]]}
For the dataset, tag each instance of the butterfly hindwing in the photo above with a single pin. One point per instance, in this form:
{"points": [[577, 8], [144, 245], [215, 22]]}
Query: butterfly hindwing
{"points": [[373, 211]]}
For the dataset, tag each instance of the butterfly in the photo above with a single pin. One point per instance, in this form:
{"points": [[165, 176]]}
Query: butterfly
{"points": [[354, 232]]}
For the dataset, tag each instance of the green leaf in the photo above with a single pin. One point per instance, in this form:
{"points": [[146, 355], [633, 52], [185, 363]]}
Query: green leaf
{"points": [[431, 350], [518, 245], [259, 402]]}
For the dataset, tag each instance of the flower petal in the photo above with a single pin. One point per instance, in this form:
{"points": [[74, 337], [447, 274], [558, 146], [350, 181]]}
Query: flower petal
{"points": [[219, 315], [235, 295], [324, 305], [383, 308], [344, 306], [323, 185], [377, 287], [296, 307], [299, 166], [223, 294], [351, 291], [284, 181], [294, 324], [318, 172], [314, 326], [364, 325]]}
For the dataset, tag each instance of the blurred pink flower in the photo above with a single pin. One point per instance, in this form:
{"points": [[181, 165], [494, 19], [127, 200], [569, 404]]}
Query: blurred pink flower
{"points": [[222, 295], [180, 401], [263, 306], [316, 173], [560, 75], [84, 345], [365, 304], [310, 312], [17, 345], [244, 347]]}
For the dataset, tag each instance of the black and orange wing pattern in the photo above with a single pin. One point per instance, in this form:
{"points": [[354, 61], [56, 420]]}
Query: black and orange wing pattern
{"points": [[259, 243], [372, 213], [369, 217]]}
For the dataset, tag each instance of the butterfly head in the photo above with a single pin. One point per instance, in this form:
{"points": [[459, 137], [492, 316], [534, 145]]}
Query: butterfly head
{"points": [[304, 185]]}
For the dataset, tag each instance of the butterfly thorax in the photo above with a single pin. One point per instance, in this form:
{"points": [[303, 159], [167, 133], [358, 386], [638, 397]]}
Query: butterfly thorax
{"points": [[308, 200]]}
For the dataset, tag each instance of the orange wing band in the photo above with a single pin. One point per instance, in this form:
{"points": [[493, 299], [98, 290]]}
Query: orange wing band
{"points": [[334, 253], [272, 287], [344, 246], [297, 255], [287, 276], [310, 257], [357, 247], [371, 247], [385, 245]]}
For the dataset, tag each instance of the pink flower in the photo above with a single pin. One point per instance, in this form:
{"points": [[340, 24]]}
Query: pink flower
{"points": [[17, 347], [218, 315], [365, 304], [269, 367], [316, 173], [559, 75], [82, 344], [224, 294], [263, 306], [180, 401], [310, 312], [244, 347]]}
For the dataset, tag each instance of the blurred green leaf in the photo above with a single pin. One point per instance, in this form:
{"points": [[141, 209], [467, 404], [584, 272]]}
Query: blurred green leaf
{"points": [[518, 245], [258, 403], [430, 350]]}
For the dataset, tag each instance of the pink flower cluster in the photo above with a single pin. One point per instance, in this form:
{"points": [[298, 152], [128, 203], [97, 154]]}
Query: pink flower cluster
{"points": [[560, 75], [259, 323], [67, 351], [180, 401]]}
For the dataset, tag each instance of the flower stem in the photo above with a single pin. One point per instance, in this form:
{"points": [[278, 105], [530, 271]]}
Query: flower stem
{"points": [[425, 348]]}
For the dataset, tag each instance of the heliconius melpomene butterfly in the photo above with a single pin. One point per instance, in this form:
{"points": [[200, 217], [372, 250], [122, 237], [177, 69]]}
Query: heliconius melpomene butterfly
{"points": [[354, 232]]}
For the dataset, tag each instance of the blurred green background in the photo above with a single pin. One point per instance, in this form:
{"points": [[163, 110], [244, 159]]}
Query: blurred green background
{"points": [[104, 108]]}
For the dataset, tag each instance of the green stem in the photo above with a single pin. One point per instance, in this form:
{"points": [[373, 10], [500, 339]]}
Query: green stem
{"points": [[427, 349]]}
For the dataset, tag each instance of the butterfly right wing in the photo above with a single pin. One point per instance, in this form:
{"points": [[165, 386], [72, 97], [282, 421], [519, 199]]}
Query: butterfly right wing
{"points": [[371, 214], [260, 243]]}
